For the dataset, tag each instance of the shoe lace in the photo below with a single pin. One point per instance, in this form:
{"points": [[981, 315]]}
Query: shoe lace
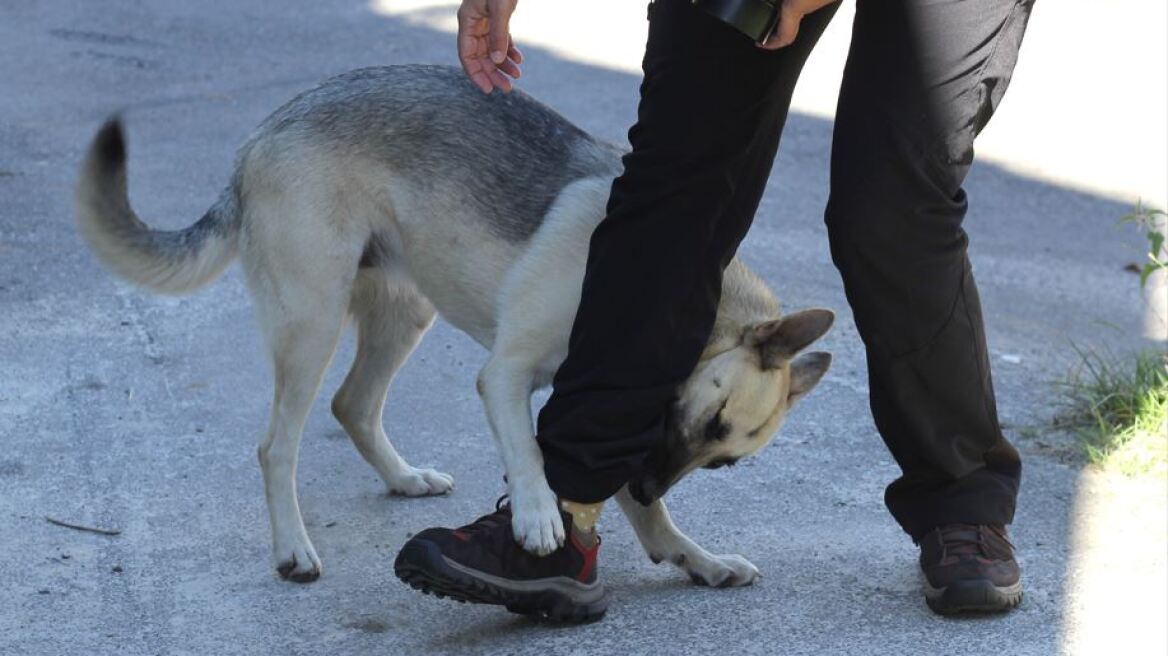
{"points": [[491, 521], [971, 540]]}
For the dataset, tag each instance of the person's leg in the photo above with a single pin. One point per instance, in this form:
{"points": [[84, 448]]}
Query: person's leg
{"points": [[711, 112], [922, 79], [712, 108]]}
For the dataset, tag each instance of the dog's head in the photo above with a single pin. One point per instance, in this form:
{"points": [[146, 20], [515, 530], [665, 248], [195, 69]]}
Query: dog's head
{"points": [[733, 403]]}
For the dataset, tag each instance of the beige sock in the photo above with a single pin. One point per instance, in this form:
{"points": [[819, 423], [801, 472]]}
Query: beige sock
{"points": [[584, 515]]}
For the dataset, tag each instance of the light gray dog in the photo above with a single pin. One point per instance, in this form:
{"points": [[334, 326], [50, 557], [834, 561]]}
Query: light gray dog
{"points": [[391, 194]]}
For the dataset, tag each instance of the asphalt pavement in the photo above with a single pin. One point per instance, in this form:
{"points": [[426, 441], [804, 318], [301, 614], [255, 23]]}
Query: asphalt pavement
{"points": [[141, 413]]}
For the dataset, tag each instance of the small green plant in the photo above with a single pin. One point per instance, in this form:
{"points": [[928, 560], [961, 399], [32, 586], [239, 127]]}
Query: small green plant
{"points": [[1151, 221], [1118, 407], [1119, 410]]}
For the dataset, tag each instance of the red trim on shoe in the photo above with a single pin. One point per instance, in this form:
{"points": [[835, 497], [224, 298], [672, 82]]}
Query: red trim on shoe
{"points": [[589, 557], [460, 535]]}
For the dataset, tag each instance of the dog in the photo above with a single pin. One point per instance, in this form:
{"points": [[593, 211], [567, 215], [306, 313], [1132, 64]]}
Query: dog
{"points": [[389, 195]]}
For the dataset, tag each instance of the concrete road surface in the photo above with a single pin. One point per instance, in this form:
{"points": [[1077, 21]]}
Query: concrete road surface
{"points": [[140, 413]]}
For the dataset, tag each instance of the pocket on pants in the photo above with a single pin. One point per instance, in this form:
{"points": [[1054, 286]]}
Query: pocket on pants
{"points": [[981, 100]]}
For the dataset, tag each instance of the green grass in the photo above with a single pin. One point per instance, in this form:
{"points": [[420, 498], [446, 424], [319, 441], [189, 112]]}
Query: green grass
{"points": [[1118, 407]]}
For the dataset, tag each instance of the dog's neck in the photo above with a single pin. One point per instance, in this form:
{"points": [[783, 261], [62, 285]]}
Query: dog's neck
{"points": [[746, 300]]}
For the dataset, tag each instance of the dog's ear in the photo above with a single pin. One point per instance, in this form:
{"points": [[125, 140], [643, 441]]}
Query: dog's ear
{"points": [[780, 340], [806, 372]]}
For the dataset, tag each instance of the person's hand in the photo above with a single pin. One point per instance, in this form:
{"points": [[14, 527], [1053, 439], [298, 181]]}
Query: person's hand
{"points": [[485, 49], [790, 14]]}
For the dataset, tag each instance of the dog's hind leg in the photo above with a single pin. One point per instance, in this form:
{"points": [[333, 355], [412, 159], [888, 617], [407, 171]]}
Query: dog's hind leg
{"points": [[391, 317], [300, 267], [302, 339], [663, 541]]}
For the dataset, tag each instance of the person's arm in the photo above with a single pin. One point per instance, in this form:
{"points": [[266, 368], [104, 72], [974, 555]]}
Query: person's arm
{"points": [[485, 48], [790, 14]]}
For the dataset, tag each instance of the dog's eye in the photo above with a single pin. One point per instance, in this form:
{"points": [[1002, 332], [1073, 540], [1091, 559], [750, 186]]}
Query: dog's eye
{"points": [[715, 429], [720, 463]]}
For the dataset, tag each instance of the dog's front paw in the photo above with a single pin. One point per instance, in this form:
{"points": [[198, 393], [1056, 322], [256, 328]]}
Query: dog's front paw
{"points": [[298, 563], [726, 571], [421, 482], [535, 517]]}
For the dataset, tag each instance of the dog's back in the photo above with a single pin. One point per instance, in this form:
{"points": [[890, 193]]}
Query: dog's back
{"points": [[406, 162], [507, 154]]}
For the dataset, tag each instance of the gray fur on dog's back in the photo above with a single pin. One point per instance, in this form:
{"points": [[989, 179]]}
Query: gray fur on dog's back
{"points": [[502, 159], [423, 121]]}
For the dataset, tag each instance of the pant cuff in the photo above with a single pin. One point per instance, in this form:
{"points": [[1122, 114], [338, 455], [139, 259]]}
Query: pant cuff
{"points": [[583, 485]]}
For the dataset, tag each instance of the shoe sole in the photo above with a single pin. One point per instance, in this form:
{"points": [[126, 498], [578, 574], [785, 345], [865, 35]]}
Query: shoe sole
{"points": [[973, 597], [422, 566]]}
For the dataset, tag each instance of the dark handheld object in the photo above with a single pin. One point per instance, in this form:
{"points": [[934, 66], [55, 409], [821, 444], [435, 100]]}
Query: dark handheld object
{"points": [[754, 18]]}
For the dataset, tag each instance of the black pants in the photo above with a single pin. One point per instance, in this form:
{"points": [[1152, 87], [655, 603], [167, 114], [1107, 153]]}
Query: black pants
{"points": [[922, 79]]}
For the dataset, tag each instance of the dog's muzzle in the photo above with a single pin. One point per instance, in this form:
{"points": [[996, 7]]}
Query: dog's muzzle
{"points": [[663, 465]]}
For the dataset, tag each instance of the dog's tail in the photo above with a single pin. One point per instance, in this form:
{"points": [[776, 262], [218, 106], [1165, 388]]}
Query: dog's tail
{"points": [[169, 262]]}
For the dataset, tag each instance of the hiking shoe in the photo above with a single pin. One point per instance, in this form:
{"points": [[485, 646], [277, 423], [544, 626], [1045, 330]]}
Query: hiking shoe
{"points": [[970, 569], [481, 563]]}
